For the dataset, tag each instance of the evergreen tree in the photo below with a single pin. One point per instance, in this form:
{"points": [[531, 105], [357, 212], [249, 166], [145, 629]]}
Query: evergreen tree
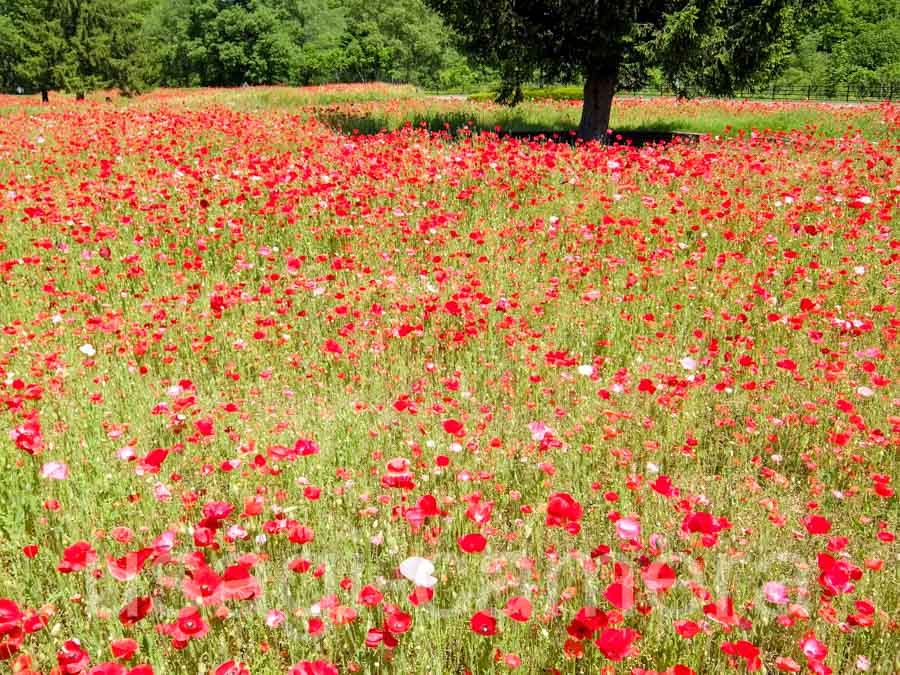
{"points": [[711, 46], [74, 45]]}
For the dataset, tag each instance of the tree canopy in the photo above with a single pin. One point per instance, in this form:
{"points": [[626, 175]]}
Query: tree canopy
{"points": [[712, 46], [79, 45], [851, 43], [75, 45], [229, 42]]}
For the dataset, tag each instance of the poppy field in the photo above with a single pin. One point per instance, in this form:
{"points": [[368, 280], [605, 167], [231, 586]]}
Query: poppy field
{"points": [[279, 399]]}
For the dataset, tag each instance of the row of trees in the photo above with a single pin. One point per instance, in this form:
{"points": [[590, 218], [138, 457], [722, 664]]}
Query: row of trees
{"points": [[229, 42], [80, 45], [693, 46], [76, 45], [855, 42]]}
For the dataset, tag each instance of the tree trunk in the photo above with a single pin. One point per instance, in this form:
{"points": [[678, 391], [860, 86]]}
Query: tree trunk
{"points": [[598, 96], [45, 96]]}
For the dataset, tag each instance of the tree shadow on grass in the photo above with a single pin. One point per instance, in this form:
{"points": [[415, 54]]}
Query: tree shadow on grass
{"points": [[436, 122], [456, 125]]}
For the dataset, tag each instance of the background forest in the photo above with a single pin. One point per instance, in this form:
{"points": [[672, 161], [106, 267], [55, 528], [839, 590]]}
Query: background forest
{"points": [[134, 45]]}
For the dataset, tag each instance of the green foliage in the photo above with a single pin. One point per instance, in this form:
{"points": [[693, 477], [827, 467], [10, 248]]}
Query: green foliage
{"points": [[75, 45], [228, 43], [11, 48], [79, 45], [698, 45], [410, 42], [555, 93], [856, 43]]}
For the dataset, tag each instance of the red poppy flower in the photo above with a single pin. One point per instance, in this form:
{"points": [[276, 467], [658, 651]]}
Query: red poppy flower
{"points": [[480, 512], [300, 534], [12, 635], [76, 557], [128, 566], [837, 576], [587, 621], [313, 668], [454, 428], [123, 649], [483, 623], [620, 594], [239, 584], [397, 622], [27, 437], [332, 347], [616, 643], [232, 667], [686, 628], [203, 586], [562, 509], [816, 524], [518, 608], [135, 610], [812, 648], [421, 595], [108, 668], [722, 611], [663, 485], [369, 596], [11, 641], [72, 658], [189, 625], [10, 614], [472, 543], [374, 637], [646, 386], [700, 521], [658, 577], [787, 665], [745, 650]]}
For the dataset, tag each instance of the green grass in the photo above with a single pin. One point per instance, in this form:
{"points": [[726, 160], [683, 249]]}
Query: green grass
{"points": [[575, 93], [705, 116], [290, 97], [239, 98], [554, 93]]}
